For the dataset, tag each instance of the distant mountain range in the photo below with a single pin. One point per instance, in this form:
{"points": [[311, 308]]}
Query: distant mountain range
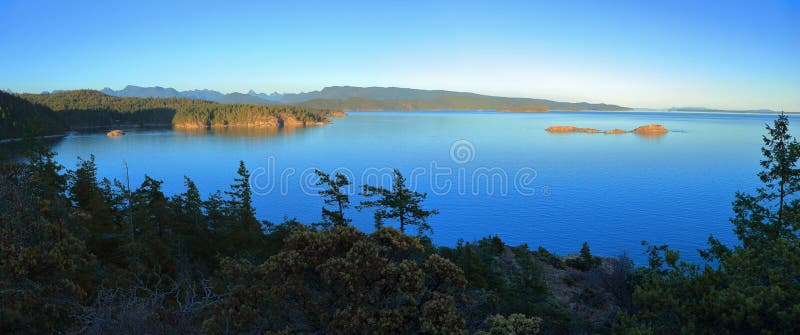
{"points": [[241, 98], [367, 98], [373, 93], [274, 96], [209, 95]]}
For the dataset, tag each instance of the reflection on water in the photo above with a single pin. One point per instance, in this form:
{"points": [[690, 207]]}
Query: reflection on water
{"points": [[241, 131], [651, 135]]}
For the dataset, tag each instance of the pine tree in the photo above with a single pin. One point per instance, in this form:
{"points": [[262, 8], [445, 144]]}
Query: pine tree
{"points": [[781, 175], [585, 261], [334, 195], [151, 208], [241, 197], [244, 234], [97, 217], [399, 203], [189, 206]]}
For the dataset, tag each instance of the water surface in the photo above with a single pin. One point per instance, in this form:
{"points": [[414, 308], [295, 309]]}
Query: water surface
{"points": [[613, 191]]}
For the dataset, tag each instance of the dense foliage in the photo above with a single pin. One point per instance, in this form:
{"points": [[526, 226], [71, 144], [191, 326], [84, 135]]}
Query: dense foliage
{"points": [[88, 108], [20, 118], [342, 281]]}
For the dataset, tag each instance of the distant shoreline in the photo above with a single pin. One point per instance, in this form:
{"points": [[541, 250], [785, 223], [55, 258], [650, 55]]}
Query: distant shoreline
{"points": [[579, 111], [17, 139]]}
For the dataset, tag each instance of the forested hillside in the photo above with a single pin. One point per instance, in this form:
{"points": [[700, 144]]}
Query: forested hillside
{"points": [[457, 102], [87, 108], [20, 118]]}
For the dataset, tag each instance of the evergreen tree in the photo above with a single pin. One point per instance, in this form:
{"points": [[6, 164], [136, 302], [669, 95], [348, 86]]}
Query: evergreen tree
{"points": [[51, 182], [781, 177], [104, 236], [585, 261], [189, 207], [194, 239], [83, 186], [334, 195], [151, 208], [399, 203], [241, 197], [244, 234]]}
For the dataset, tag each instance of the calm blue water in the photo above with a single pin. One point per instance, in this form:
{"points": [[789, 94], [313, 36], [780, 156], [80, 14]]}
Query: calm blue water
{"points": [[488, 173]]}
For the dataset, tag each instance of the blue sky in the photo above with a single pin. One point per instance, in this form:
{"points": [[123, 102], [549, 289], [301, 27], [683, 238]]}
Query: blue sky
{"points": [[723, 54]]}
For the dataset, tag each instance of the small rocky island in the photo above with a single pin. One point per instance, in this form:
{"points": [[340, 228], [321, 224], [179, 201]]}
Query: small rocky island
{"points": [[115, 132], [651, 129], [646, 130]]}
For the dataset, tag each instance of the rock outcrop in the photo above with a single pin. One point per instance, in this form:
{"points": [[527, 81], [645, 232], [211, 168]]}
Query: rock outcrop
{"points": [[651, 129], [560, 129], [571, 129], [289, 120], [190, 125], [646, 130]]}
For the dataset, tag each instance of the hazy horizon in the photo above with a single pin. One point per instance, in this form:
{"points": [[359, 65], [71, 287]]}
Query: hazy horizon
{"points": [[738, 55]]}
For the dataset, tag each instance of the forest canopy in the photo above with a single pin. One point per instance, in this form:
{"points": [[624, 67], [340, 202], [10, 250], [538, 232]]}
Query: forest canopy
{"points": [[20, 118]]}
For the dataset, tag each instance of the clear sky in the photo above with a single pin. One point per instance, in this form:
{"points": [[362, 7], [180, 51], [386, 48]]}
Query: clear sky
{"points": [[721, 54]]}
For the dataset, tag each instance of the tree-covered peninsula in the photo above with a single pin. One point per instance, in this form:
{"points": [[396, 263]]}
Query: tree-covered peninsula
{"points": [[93, 109]]}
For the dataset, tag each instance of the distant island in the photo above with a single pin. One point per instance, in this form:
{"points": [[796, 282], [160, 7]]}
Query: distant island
{"points": [[711, 110], [648, 130]]}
